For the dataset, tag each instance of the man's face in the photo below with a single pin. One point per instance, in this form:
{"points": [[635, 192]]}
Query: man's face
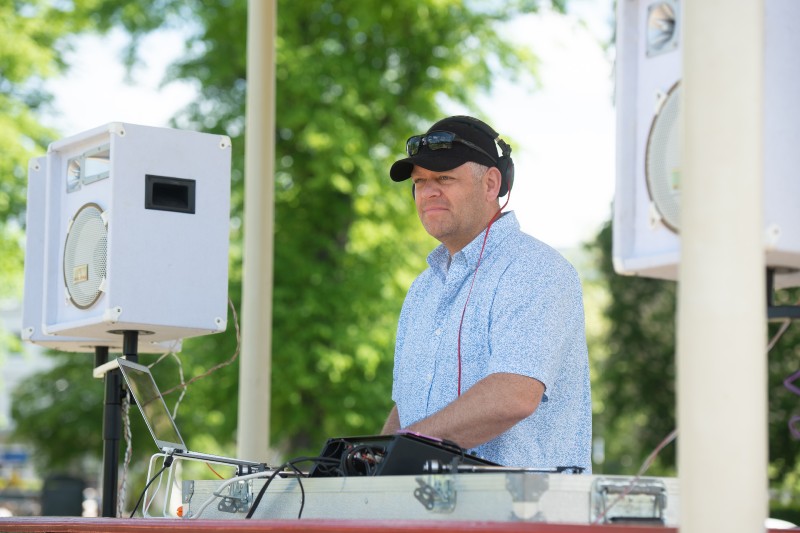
{"points": [[452, 204]]}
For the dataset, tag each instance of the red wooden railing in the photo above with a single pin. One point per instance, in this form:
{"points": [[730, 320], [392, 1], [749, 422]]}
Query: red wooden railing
{"points": [[139, 525]]}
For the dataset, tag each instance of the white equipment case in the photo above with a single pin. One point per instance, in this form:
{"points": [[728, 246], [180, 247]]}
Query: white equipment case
{"points": [[486, 496]]}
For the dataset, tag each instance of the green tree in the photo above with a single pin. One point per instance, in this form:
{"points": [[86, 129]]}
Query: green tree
{"points": [[26, 57], [354, 79]]}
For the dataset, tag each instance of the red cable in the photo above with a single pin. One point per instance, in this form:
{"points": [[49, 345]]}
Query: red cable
{"points": [[474, 275]]}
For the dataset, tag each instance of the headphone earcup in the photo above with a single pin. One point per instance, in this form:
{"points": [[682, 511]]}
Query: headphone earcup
{"points": [[506, 167]]}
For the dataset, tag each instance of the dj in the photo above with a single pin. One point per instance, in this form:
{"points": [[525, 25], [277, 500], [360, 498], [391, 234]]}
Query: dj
{"points": [[491, 349]]}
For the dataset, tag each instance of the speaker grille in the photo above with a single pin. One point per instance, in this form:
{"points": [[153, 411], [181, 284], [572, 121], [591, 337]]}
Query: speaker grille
{"points": [[85, 256], [663, 159]]}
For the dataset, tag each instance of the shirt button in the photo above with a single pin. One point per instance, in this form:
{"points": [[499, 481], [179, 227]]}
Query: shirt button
{"points": [[438, 331]]}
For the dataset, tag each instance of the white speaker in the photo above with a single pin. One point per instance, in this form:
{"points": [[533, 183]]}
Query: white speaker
{"points": [[136, 233], [32, 324], [646, 229]]}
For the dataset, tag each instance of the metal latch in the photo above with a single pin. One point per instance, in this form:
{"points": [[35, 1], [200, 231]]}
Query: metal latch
{"points": [[525, 491], [437, 494], [237, 500], [628, 500], [187, 491]]}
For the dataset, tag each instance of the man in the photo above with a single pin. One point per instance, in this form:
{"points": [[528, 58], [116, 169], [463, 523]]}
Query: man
{"points": [[491, 349]]}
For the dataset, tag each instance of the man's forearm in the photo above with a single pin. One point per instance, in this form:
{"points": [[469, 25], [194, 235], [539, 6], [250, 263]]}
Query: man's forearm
{"points": [[487, 409]]}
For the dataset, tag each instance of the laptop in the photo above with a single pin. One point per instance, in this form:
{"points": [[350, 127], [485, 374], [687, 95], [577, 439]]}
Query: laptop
{"points": [[161, 424]]}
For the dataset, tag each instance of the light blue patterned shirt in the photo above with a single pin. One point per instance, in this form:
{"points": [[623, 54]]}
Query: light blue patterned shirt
{"points": [[524, 316]]}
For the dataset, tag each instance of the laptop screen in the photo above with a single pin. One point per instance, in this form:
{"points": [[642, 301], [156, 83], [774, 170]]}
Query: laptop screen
{"points": [[152, 405]]}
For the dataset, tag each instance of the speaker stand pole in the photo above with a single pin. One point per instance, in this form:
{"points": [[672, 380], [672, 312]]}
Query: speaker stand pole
{"points": [[112, 431], [130, 345], [112, 422], [100, 355]]}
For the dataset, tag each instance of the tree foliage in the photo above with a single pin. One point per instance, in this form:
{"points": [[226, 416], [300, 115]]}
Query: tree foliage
{"points": [[26, 57], [354, 79]]}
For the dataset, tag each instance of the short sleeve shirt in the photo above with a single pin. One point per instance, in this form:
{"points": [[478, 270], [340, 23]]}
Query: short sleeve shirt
{"points": [[524, 316]]}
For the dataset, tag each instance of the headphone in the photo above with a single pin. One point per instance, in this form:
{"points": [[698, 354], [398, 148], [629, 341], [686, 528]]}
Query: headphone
{"points": [[504, 164]]}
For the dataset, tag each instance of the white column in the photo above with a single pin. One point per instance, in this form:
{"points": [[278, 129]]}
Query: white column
{"points": [[722, 379], [259, 171]]}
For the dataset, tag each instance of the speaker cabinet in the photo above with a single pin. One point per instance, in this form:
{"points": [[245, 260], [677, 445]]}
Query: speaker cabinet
{"points": [[32, 325], [646, 229], [136, 233]]}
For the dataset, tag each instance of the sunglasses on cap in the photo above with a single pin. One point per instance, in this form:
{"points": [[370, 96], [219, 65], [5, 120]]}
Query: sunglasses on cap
{"points": [[441, 140]]}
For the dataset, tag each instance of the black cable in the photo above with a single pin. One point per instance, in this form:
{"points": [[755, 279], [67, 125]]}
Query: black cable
{"points": [[288, 464], [352, 465], [302, 491], [263, 490], [461, 451], [167, 463]]}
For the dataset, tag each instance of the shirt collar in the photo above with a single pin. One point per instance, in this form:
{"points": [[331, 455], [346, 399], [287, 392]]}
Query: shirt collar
{"points": [[439, 258]]}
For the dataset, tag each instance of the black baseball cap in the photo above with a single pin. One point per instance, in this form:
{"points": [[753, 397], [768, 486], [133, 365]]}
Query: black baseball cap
{"points": [[467, 128]]}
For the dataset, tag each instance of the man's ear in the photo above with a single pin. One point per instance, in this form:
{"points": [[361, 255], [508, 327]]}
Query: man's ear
{"points": [[492, 182]]}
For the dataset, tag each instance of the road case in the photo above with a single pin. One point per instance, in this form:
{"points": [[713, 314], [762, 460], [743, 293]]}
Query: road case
{"points": [[484, 496]]}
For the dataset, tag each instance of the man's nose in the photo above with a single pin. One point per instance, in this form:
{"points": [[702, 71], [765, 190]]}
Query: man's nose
{"points": [[427, 189]]}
